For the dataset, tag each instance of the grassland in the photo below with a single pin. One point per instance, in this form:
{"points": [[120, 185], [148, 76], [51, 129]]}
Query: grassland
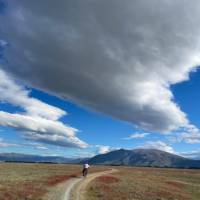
{"points": [[33, 181], [19, 181], [146, 184]]}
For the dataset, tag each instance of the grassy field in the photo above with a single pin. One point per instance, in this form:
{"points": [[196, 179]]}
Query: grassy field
{"points": [[146, 184], [31, 181], [20, 181]]}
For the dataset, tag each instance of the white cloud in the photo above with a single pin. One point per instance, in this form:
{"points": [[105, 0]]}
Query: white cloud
{"points": [[191, 154], [191, 138], [19, 96], [4, 144], [41, 148], [35, 124], [103, 149], [160, 145], [137, 136], [35, 145], [39, 121], [190, 134], [119, 58], [42, 130], [56, 139]]}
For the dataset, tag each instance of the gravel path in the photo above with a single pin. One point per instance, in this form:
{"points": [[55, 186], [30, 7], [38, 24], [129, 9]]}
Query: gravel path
{"points": [[75, 188], [78, 189]]}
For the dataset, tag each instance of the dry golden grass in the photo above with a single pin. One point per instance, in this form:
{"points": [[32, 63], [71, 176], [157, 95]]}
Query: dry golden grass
{"points": [[146, 184], [19, 181]]}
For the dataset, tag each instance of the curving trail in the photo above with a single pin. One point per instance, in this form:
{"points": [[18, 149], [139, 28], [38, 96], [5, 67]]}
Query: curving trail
{"points": [[77, 187]]}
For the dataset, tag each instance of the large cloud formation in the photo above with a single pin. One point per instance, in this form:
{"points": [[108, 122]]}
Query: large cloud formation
{"points": [[116, 57]]}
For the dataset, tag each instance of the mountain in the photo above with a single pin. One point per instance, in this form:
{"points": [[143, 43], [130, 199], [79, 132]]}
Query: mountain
{"points": [[16, 157], [144, 157]]}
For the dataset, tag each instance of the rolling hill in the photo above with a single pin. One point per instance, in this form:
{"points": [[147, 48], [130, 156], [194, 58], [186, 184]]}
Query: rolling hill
{"points": [[144, 157]]}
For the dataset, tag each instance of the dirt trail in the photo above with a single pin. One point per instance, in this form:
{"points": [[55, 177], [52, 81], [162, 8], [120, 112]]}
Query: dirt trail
{"points": [[78, 191], [59, 192], [74, 189], [187, 183]]}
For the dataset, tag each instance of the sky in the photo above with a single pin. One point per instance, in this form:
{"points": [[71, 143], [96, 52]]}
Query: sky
{"points": [[80, 78]]}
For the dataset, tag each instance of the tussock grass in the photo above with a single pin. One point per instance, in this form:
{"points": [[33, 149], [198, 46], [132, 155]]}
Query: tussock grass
{"points": [[147, 184], [20, 181]]}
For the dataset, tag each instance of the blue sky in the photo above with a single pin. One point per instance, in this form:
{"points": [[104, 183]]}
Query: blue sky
{"points": [[94, 82]]}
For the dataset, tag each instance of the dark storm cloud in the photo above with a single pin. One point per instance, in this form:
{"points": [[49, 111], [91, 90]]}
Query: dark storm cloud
{"points": [[116, 57]]}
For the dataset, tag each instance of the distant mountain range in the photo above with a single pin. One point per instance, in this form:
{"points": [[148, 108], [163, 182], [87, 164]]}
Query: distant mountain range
{"points": [[16, 157], [144, 157], [136, 157]]}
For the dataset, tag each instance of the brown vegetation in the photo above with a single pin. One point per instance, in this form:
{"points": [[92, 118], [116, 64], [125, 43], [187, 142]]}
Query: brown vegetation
{"points": [[107, 179], [147, 184], [61, 178], [20, 181], [32, 181]]}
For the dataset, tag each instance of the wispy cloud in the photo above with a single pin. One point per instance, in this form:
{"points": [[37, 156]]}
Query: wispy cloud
{"points": [[4, 144], [42, 148], [137, 136], [190, 135], [191, 154]]}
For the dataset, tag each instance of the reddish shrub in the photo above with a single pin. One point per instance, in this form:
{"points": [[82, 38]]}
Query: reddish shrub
{"points": [[59, 179], [108, 179], [25, 191], [176, 184]]}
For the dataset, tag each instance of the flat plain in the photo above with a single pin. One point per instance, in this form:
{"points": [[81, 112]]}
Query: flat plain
{"points": [[19, 181], [131, 183]]}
